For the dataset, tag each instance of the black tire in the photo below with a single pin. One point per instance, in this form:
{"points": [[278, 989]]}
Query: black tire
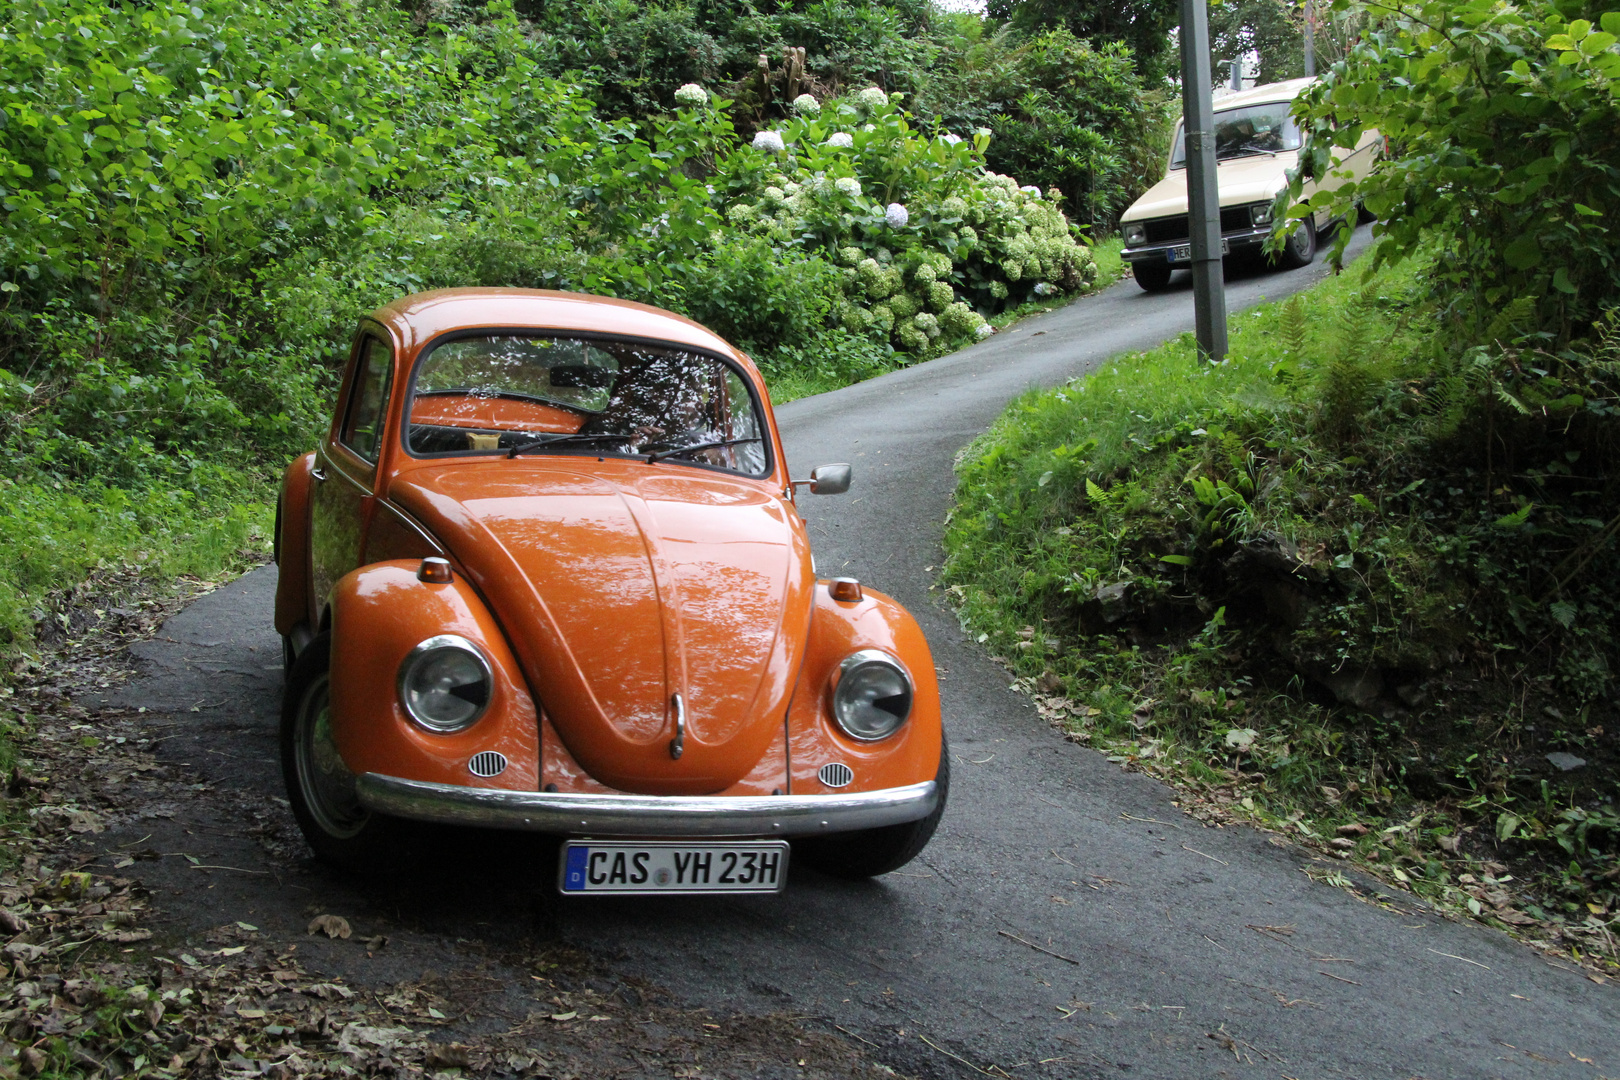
{"points": [[1301, 247], [320, 788], [1152, 274], [871, 852]]}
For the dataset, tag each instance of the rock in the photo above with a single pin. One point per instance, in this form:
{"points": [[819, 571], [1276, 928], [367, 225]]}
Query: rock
{"points": [[1358, 688], [1565, 762]]}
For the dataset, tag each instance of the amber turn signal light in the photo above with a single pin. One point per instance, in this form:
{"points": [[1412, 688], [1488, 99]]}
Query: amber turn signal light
{"points": [[846, 589], [436, 571]]}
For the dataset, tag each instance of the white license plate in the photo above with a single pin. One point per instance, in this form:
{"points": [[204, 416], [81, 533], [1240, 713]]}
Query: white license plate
{"points": [[673, 866], [1183, 252]]}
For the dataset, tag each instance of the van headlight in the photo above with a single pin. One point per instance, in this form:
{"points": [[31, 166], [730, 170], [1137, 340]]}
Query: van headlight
{"points": [[872, 695], [1260, 213], [1135, 234], [445, 684]]}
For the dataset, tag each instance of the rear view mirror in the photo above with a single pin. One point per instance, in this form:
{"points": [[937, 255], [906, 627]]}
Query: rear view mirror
{"points": [[830, 479]]}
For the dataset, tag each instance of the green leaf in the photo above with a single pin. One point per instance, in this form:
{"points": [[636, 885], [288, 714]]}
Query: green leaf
{"points": [[1364, 502], [1094, 492], [1561, 280], [1582, 208], [1506, 825], [1561, 43], [1610, 22], [1523, 253], [1515, 519], [1563, 611], [1176, 560]]}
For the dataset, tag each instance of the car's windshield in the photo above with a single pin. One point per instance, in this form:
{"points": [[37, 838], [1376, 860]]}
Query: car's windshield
{"points": [[516, 394], [1253, 129]]}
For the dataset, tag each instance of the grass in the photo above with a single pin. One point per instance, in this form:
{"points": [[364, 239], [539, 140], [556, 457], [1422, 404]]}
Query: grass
{"points": [[1286, 583], [54, 534]]}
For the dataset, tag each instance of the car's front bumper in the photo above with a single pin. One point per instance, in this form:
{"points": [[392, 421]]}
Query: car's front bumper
{"points": [[646, 815], [1235, 240]]}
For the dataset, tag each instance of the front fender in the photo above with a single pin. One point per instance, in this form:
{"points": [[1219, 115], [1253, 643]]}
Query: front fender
{"points": [[292, 547], [379, 614], [838, 628]]}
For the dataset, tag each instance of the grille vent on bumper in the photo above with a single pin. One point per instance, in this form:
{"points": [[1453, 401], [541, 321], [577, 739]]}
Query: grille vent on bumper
{"points": [[487, 764], [836, 774]]}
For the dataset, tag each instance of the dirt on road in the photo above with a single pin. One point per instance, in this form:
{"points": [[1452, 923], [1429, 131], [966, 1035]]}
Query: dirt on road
{"points": [[162, 916]]}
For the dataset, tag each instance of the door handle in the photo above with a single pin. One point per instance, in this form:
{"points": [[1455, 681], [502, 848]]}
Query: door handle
{"points": [[317, 472]]}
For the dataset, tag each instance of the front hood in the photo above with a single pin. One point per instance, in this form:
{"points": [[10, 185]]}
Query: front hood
{"points": [[620, 584], [1239, 180]]}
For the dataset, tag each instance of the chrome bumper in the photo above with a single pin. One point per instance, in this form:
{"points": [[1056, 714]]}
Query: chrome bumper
{"points": [[646, 815]]}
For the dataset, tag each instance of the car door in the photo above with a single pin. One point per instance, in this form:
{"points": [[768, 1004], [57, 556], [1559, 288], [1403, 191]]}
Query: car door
{"points": [[346, 468]]}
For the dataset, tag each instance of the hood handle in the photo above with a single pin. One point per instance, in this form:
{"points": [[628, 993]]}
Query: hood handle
{"points": [[677, 745]]}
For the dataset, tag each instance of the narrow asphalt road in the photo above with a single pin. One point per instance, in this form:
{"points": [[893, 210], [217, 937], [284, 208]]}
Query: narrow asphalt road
{"points": [[1067, 921]]}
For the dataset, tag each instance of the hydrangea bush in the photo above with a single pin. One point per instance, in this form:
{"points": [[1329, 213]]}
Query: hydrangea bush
{"points": [[930, 242]]}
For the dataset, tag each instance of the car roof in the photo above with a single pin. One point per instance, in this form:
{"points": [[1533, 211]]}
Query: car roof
{"points": [[417, 319], [1280, 91]]}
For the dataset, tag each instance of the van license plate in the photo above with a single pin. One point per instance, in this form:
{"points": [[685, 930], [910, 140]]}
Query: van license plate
{"points": [[1183, 252], [673, 866]]}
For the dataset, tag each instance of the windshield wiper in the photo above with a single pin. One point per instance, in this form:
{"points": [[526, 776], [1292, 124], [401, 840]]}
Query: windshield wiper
{"points": [[562, 440], [695, 447]]}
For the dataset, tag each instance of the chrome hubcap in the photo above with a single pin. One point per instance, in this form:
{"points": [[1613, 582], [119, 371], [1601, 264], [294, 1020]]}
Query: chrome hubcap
{"points": [[325, 782]]}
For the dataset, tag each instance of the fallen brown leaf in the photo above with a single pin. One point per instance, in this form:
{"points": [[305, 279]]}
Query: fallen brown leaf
{"points": [[333, 926]]}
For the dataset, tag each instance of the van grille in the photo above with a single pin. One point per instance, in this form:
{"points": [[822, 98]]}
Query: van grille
{"points": [[1173, 230]]}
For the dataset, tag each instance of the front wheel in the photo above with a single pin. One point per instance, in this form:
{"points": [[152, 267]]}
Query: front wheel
{"points": [[320, 787], [1152, 274], [1301, 247], [872, 852]]}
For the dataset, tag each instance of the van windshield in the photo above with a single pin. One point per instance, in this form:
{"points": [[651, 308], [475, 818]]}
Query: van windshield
{"points": [[1253, 129]]}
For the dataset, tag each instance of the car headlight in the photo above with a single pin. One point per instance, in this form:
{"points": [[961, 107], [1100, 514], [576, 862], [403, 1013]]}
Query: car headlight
{"points": [[1260, 213], [445, 684], [1135, 234], [871, 696]]}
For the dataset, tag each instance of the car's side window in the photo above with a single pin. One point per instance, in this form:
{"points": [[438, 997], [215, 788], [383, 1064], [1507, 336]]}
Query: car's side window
{"points": [[368, 402]]}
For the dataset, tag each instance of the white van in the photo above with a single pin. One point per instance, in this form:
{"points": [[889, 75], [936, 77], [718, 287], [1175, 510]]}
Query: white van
{"points": [[1256, 143]]}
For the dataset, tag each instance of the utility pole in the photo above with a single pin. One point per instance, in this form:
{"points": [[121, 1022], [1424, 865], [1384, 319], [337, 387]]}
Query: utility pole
{"points": [[1203, 197], [1310, 41]]}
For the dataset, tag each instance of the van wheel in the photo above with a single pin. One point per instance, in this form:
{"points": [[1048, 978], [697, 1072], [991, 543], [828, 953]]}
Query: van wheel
{"points": [[1301, 247], [871, 852], [320, 787], [1152, 274]]}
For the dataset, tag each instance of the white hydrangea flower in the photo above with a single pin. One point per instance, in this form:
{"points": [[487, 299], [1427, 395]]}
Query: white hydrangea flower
{"points": [[1031, 190], [873, 97], [791, 189], [849, 186], [950, 139], [869, 128], [841, 138], [774, 194], [1044, 289], [896, 215], [692, 95], [805, 105], [984, 331], [770, 142]]}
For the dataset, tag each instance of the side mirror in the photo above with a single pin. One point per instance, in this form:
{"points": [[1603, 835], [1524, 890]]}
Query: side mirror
{"points": [[828, 479]]}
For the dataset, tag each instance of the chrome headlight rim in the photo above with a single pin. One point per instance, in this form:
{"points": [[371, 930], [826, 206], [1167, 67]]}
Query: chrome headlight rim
{"points": [[1135, 233], [420, 652], [858, 659]]}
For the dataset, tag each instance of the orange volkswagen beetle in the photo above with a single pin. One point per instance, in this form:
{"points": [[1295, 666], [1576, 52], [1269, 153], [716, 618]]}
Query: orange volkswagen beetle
{"points": [[546, 572]]}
